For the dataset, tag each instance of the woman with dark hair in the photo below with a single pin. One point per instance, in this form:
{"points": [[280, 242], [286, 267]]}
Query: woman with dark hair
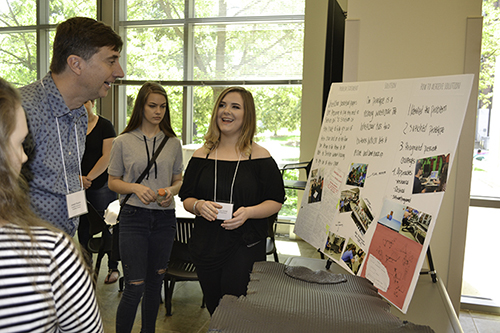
{"points": [[100, 135], [44, 286], [147, 229], [232, 185]]}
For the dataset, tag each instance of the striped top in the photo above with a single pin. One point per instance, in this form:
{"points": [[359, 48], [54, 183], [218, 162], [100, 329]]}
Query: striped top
{"points": [[43, 285]]}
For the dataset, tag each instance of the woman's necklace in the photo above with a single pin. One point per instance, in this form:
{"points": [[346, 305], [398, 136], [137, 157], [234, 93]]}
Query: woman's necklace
{"points": [[234, 177]]}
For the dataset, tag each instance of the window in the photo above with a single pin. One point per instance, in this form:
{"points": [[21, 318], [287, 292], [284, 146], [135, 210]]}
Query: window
{"points": [[194, 48], [26, 40], [482, 289]]}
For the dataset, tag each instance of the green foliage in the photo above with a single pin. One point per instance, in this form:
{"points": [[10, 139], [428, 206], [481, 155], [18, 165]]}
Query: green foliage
{"points": [[248, 51], [278, 108], [204, 99], [16, 13], [289, 208], [243, 50], [214, 8], [154, 9], [18, 50], [18, 63], [60, 10], [489, 51]]}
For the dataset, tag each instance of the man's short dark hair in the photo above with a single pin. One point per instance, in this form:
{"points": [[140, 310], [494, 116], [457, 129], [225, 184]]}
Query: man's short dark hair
{"points": [[418, 167], [81, 36]]}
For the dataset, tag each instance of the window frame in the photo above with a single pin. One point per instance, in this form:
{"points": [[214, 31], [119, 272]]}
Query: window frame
{"points": [[188, 23]]}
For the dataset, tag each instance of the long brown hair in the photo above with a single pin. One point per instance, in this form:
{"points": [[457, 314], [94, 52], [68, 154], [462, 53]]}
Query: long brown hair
{"points": [[14, 202], [248, 128], [135, 121]]}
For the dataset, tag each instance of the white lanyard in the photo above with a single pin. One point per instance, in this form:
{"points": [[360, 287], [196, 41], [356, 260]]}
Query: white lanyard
{"points": [[62, 155], [234, 177]]}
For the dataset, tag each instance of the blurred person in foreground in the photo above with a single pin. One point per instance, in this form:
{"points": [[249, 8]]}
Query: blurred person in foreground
{"points": [[44, 286]]}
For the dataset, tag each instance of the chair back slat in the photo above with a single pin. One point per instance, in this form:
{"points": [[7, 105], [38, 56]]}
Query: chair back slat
{"points": [[184, 229]]}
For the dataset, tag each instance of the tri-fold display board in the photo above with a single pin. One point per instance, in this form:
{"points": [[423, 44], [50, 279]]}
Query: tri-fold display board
{"points": [[379, 174]]}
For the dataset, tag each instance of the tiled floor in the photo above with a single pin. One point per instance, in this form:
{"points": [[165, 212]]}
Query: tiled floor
{"points": [[189, 317], [477, 322]]}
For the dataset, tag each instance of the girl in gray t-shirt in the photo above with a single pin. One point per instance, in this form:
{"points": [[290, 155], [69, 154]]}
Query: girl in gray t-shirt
{"points": [[146, 227]]}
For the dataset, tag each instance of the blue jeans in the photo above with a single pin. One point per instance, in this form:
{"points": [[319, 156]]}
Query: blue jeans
{"points": [[146, 239]]}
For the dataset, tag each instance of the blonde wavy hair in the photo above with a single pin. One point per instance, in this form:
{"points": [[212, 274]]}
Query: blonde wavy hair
{"points": [[212, 138]]}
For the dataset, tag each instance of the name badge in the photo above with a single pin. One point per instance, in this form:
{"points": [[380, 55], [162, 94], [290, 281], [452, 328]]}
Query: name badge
{"points": [[77, 204], [226, 212]]}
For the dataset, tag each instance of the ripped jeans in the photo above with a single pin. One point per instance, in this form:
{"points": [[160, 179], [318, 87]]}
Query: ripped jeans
{"points": [[146, 239]]}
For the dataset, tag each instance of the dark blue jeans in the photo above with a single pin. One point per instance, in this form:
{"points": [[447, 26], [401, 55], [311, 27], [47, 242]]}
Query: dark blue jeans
{"points": [[146, 239]]}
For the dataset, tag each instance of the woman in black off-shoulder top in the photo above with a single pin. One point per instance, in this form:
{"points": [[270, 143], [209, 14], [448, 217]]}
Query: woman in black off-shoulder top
{"points": [[232, 185]]}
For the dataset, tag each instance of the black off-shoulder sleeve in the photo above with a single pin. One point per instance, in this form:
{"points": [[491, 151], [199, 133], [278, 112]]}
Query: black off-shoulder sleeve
{"points": [[190, 179], [272, 181]]}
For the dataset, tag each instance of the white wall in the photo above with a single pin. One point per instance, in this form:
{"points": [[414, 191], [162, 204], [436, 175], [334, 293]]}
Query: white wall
{"points": [[393, 39]]}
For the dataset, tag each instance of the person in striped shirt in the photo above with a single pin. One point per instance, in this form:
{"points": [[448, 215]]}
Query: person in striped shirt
{"points": [[44, 286]]}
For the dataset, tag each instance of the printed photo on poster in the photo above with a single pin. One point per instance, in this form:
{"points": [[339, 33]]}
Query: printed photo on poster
{"points": [[348, 199], [353, 256], [357, 174], [405, 220], [334, 245], [431, 174], [361, 215], [316, 186]]}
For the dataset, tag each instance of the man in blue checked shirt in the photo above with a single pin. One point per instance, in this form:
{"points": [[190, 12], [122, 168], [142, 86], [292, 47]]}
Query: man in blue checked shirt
{"points": [[84, 65]]}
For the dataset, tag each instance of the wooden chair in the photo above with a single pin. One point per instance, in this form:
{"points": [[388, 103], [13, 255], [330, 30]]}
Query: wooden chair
{"points": [[180, 267]]}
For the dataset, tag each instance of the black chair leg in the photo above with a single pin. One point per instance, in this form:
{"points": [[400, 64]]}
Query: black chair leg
{"points": [[169, 290], [121, 284], [100, 255], [276, 255]]}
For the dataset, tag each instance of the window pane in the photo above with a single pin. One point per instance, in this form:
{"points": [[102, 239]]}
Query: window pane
{"points": [[248, 51], [154, 53], [216, 8], [486, 160], [61, 10], [154, 10], [482, 240], [174, 100], [203, 103], [484, 182], [18, 62], [15, 13]]}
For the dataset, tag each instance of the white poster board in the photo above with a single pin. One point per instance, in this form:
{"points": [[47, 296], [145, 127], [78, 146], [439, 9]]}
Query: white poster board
{"points": [[379, 174]]}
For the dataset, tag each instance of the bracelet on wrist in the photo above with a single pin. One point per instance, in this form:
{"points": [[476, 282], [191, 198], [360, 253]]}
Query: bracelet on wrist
{"points": [[194, 208]]}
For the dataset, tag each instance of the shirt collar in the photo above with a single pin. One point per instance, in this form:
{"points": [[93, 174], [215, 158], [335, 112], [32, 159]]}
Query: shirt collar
{"points": [[55, 98]]}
